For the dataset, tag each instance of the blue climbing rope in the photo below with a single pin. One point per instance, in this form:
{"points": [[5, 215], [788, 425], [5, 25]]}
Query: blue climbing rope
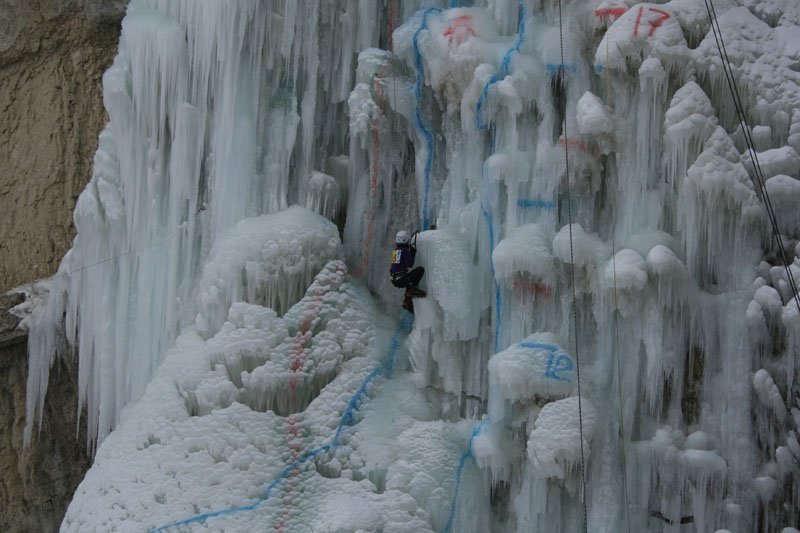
{"points": [[347, 419], [497, 76], [502, 72], [467, 455], [424, 129]]}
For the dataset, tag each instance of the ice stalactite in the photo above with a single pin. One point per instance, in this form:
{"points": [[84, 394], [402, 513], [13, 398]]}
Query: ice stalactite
{"points": [[212, 119]]}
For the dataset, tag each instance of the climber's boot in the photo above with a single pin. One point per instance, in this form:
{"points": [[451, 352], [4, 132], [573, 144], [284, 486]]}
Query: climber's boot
{"points": [[408, 305], [417, 292]]}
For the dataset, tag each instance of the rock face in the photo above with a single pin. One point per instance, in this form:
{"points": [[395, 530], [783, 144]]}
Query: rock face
{"points": [[36, 483], [52, 57]]}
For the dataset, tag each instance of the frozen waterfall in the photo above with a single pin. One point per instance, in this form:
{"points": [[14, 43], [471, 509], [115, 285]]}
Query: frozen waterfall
{"points": [[608, 326]]}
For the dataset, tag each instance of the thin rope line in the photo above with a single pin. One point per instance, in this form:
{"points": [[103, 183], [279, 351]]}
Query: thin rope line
{"points": [[562, 73], [615, 338], [181, 227], [747, 134]]}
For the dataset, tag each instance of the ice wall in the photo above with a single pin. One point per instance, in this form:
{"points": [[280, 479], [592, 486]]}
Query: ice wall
{"points": [[218, 111], [609, 337], [680, 298]]}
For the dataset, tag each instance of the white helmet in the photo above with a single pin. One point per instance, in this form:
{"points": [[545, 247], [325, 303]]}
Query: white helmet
{"points": [[401, 237]]}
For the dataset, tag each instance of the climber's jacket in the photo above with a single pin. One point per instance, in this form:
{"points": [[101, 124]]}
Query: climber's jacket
{"points": [[402, 259]]}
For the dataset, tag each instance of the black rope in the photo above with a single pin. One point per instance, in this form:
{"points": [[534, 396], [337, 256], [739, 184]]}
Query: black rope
{"points": [[747, 134], [562, 73]]}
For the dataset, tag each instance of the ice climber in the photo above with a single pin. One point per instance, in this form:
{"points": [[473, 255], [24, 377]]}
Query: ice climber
{"points": [[403, 276]]}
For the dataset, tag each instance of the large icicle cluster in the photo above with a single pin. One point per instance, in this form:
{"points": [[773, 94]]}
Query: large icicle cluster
{"points": [[214, 111], [608, 325]]}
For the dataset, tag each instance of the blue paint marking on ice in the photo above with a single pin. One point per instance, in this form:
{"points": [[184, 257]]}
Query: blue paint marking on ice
{"points": [[553, 68], [557, 362], [423, 128], [497, 76], [502, 72], [459, 472], [386, 369], [297, 463], [533, 203], [599, 68], [347, 419]]}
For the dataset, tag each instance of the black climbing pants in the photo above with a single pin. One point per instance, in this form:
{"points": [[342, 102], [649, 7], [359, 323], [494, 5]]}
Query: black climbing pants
{"points": [[410, 278]]}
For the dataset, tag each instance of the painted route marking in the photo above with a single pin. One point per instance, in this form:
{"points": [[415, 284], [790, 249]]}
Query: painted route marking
{"points": [[459, 30], [612, 13], [557, 361], [654, 24], [527, 286]]}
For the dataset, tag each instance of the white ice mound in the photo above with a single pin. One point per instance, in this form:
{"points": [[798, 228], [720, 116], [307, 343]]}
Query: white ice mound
{"points": [[267, 260], [718, 171], [768, 394], [688, 123], [690, 113], [582, 248], [718, 206], [324, 195], [594, 118], [784, 194], [526, 250], [643, 30], [769, 300], [534, 368], [310, 355], [451, 44], [783, 160], [626, 271], [693, 456], [662, 261], [554, 446]]}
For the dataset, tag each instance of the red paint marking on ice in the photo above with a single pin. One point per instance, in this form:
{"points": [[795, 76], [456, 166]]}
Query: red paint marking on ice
{"points": [[573, 143], [375, 166], [392, 15], [295, 445], [654, 24], [527, 287], [297, 353], [610, 12], [459, 30], [638, 21], [658, 22]]}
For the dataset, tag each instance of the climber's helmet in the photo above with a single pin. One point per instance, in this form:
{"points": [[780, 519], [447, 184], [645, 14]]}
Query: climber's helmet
{"points": [[402, 238]]}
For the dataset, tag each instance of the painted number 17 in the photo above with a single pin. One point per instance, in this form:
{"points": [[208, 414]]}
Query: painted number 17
{"points": [[655, 23]]}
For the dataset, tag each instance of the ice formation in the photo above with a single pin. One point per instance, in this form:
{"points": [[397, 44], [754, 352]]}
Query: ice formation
{"points": [[608, 324]]}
